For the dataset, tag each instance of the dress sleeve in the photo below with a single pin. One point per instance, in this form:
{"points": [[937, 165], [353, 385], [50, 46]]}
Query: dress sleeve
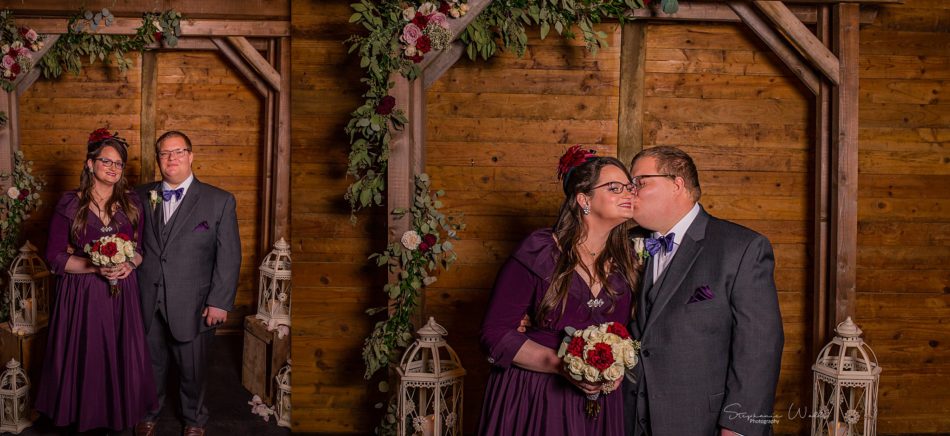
{"points": [[511, 299], [57, 244]]}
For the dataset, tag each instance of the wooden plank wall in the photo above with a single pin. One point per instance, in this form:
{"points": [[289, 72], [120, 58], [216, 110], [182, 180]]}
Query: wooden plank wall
{"points": [[904, 212], [197, 93], [333, 282]]}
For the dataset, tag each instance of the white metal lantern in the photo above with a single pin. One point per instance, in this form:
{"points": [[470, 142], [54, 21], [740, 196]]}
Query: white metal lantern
{"points": [[846, 382], [282, 405], [273, 305], [29, 291], [14, 399], [430, 387]]}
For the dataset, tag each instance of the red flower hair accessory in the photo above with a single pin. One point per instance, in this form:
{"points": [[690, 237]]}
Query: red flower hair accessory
{"points": [[573, 158], [100, 134]]}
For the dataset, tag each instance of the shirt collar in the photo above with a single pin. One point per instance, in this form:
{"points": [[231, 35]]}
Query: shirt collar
{"points": [[186, 184], [682, 226]]}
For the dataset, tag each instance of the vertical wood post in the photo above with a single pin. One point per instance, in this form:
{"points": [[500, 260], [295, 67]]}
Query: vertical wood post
{"points": [[282, 160], [9, 137], [406, 159], [844, 158], [822, 194], [633, 50], [147, 131]]}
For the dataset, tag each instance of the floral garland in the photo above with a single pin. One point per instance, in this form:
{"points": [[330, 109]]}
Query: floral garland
{"points": [[22, 198], [421, 251]]}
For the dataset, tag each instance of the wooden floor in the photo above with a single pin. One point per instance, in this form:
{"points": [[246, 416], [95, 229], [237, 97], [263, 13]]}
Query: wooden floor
{"points": [[226, 400]]}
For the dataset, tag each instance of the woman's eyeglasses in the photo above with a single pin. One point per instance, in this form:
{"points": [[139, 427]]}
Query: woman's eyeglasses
{"points": [[109, 163], [617, 187]]}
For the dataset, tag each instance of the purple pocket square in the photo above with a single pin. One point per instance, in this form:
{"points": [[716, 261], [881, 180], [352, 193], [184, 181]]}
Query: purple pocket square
{"points": [[202, 226], [702, 293]]}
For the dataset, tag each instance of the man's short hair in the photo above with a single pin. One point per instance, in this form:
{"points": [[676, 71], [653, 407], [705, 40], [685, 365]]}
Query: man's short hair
{"points": [[672, 160]]}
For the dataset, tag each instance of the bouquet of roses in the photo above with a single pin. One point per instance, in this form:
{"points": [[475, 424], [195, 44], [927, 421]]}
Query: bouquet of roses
{"points": [[598, 354], [109, 251]]}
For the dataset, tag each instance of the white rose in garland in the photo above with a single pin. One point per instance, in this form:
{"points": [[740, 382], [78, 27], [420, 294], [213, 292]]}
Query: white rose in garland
{"points": [[411, 240]]}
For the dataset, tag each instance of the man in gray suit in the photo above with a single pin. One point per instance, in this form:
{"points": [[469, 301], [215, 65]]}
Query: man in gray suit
{"points": [[708, 317], [188, 278]]}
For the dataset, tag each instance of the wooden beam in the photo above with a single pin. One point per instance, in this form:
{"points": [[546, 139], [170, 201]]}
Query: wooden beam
{"points": [[267, 175], [128, 26], [9, 136], [722, 13], [633, 49], [821, 331], [218, 9], [774, 41], [442, 63], [149, 115], [282, 161], [256, 61], [202, 43], [801, 38], [457, 26], [844, 157], [25, 81], [241, 66]]}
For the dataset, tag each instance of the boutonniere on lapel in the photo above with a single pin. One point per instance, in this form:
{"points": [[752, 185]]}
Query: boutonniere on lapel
{"points": [[640, 247], [153, 198]]}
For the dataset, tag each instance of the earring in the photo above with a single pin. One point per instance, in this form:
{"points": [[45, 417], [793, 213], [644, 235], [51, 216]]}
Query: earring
{"points": [[586, 209]]}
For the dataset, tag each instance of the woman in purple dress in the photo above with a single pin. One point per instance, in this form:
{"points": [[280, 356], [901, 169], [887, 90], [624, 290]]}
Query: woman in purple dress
{"points": [[97, 373], [578, 274]]}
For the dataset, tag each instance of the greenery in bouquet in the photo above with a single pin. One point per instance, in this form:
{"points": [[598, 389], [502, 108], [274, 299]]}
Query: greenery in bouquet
{"points": [[16, 204]]}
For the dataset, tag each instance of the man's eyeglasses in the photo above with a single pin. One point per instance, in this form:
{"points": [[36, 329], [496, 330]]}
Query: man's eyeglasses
{"points": [[176, 153], [637, 181], [617, 187], [109, 163]]}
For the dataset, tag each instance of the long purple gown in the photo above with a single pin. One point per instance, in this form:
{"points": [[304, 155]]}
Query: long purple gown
{"points": [[97, 372], [523, 402]]}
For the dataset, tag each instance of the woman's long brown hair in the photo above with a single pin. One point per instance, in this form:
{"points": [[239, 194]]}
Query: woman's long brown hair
{"points": [[119, 199], [571, 229]]}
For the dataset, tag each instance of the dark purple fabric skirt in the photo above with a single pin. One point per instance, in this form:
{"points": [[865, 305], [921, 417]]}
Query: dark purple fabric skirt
{"points": [[97, 371], [522, 402]]}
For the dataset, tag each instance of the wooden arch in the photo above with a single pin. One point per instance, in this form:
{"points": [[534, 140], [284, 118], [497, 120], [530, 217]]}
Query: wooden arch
{"points": [[263, 60], [827, 64]]}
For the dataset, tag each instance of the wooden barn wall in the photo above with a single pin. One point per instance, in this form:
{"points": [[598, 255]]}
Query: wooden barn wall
{"points": [[198, 93], [903, 276]]}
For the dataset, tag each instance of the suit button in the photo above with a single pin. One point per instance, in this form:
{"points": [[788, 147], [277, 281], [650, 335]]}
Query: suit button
{"points": [[643, 394], [164, 259], [646, 353], [643, 420]]}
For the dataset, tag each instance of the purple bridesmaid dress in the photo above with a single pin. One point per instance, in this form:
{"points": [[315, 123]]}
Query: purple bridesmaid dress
{"points": [[523, 402], [97, 372]]}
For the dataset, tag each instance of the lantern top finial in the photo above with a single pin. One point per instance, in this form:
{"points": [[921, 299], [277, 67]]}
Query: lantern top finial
{"points": [[848, 329], [28, 247], [432, 330], [13, 364], [282, 245]]}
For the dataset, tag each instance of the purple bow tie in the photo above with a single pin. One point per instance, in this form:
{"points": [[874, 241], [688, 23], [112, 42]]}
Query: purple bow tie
{"points": [[169, 193], [665, 243]]}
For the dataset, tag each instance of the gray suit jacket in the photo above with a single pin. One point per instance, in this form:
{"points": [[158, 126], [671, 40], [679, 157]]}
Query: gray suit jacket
{"points": [[192, 261], [712, 363]]}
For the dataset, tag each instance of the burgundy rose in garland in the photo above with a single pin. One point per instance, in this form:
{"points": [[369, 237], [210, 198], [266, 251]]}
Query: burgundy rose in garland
{"points": [[24, 193], [424, 44], [386, 105], [426, 28], [428, 241]]}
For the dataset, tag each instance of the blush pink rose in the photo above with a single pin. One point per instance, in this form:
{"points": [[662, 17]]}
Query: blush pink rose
{"points": [[7, 62], [411, 34], [440, 19]]}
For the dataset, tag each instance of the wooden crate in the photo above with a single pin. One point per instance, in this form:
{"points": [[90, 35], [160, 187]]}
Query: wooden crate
{"points": [[264, 355], [26, 349]]}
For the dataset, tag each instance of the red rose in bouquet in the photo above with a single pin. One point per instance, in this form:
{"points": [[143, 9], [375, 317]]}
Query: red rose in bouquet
{"points": [[108, 249], [618, 329], [601, 356], [576, 346]]}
